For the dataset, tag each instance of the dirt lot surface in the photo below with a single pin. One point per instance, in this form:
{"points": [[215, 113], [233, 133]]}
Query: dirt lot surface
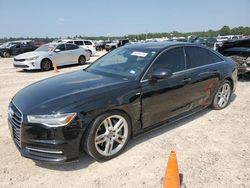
{"points": [[213, 147]]}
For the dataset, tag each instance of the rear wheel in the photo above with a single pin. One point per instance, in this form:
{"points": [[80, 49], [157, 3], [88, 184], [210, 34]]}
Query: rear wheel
{"points": [[107, 136], [7, 54], [222, 97], [81, 60], [46, 65]]}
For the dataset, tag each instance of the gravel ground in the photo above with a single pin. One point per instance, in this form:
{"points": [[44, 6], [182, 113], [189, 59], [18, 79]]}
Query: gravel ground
{"points": [[212, 147]]}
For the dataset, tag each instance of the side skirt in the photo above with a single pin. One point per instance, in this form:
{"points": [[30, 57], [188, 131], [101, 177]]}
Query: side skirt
{"points": [[168, 122]]}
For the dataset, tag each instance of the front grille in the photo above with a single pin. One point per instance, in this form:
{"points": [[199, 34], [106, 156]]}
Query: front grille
{"points": [[15, 119], [21, 60]]}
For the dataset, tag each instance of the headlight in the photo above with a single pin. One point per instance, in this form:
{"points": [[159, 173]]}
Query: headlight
{"points": [[33, 58], [56, 120]]}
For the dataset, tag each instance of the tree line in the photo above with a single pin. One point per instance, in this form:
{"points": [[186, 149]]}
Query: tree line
{"points": [[225, 30]]}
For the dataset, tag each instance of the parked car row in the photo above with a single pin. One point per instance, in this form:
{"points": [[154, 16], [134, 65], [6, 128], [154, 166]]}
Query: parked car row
{"points": [[115, 44], [16, 47], [88, 45]]}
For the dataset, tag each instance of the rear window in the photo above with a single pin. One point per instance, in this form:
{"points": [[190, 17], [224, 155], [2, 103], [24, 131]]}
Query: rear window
{"points": [[87, 42]]}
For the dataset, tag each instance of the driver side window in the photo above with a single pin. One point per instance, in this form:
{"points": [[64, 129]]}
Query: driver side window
{"points": [[172, 60], [61, 47]]}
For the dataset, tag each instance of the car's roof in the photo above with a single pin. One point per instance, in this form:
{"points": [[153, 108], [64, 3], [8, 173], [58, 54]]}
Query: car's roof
{"points": [[156, 45]]}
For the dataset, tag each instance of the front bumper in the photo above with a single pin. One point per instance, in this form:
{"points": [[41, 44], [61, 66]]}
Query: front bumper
{"points": [[26, 64], [41, 143]]}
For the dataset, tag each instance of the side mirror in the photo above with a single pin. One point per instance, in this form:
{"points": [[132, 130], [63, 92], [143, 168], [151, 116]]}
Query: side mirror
{"points": [[161, 74], [57, 50]]}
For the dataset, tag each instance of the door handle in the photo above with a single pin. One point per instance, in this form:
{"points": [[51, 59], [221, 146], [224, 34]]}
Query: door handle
{"points": [[186, 80]]}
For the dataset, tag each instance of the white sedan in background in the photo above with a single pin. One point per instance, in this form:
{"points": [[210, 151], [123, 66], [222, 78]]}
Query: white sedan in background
{"points": [[47, 55]]}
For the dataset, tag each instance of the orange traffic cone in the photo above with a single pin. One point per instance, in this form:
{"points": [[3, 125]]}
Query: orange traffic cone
{"points": [[55, 68], [171, 178]]}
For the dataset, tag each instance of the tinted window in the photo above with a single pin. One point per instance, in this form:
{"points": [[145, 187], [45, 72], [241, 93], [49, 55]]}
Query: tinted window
{"points": [[197, 57], [87, 42], [79, 42], [215, 58], [171, 59], [71, 47], [70, 42], [61, 47]]}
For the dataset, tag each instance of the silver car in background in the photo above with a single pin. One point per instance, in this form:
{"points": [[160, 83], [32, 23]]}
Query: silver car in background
{"points": [[47, 55]]}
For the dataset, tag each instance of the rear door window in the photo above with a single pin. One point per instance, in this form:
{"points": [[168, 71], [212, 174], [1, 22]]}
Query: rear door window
{"points": [[79, 43], [71, 47], [87, 42], [197, 57], [215, 58], [61, 47]]}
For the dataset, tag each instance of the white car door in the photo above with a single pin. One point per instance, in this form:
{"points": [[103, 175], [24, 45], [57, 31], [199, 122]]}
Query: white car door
{"points": [[73, 53], [61, 56]]}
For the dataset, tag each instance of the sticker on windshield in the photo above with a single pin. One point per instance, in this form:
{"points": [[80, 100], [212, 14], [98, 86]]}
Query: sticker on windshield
{"points": [[132, 72], [140, 54]]}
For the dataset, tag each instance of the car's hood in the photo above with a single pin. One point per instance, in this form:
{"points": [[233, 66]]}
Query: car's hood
{"points": [[3, 48], [31, 54], [53, 94]]}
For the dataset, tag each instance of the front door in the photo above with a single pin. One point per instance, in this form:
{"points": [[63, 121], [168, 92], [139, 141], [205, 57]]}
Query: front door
{"points": [[164, 99], [61, 57]]}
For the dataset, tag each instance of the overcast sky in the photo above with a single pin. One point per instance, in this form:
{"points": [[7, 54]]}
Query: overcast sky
{"points": [[55, 18]]}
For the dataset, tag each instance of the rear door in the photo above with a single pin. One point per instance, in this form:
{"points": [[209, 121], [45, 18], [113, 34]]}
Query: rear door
{"points": [[204, 67], [166, 98], [73, 53]]}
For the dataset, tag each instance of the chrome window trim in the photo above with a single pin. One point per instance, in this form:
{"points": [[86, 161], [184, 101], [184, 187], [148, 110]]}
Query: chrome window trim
{"points": [[186, 70]]}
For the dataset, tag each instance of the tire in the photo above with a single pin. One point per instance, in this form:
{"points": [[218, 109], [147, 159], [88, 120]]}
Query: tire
{"points": [[81, 60], [107, 136], [7, 54], [222, 96], [46, 65]]}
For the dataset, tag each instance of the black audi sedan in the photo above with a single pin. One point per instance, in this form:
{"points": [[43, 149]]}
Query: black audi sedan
{"points": [[128, 91]]}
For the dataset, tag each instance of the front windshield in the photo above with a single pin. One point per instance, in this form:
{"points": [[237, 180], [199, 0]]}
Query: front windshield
{"points": [[46, 48], [126, 63]]}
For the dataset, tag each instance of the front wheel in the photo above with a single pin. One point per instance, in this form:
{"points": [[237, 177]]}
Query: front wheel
{"points": [[107, 136], [46, 65], [222, 96]]}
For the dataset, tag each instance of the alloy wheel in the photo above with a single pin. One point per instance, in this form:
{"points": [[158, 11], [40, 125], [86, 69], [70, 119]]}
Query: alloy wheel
{"points": [[223, 95], [111, 135]]}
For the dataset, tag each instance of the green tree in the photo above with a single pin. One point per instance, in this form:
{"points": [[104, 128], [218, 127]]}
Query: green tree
{"points": [[225, 30]]}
